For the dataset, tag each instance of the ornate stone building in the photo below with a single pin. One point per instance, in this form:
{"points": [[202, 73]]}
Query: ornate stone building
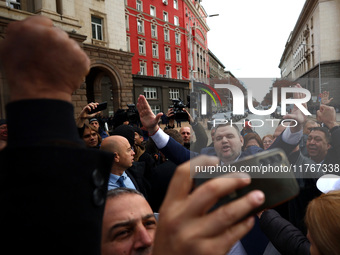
{"points": [[99, 27], [312, 50]]}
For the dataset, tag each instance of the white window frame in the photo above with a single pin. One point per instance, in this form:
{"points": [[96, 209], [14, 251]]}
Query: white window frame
{"points": [[128, 46], [179, 73], [178, 56], [127, 25], [176, 21], [155, 51], [152, 11], [139, 5], [168, 71], [140, 26], [173, 93], [143, 68], [150, 92], [167, 53], [98, 28], [155, 109], [166, 35], [141, 47], [176, 4], [155, 70], [165, 16], [178, 38], [153, 30], [14, 4]]}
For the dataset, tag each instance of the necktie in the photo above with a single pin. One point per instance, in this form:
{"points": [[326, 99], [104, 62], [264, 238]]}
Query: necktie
{"points": [[120, 181]]}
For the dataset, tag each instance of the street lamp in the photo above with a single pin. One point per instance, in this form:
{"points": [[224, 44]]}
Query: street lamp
{"points": [[191, 47], [191, 19]]}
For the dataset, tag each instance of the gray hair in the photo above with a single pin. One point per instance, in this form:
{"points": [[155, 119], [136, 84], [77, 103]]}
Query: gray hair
{"points": [[121, 191]]}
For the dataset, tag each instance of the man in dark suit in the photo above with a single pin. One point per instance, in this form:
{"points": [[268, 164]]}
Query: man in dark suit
{"points": [[124, 171], [227, 143]]}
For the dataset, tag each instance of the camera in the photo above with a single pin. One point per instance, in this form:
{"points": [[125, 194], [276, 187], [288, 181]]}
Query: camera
{"points": [[178, 110], [132, 114]]}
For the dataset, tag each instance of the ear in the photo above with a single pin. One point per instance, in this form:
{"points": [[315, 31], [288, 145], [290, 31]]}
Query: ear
{"points": [[116, 159], [241, 139]]}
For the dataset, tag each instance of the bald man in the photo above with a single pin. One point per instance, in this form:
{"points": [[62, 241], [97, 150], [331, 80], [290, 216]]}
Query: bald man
{"points": [[121, 149], [124, 171]]}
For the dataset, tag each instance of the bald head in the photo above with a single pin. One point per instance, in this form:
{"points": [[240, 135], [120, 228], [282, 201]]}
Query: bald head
{"points": [[114, 143], [121, 148]]}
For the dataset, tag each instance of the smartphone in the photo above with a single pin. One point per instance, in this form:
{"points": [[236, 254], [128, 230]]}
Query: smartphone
{"points": [[279, 184], [100, 107]]}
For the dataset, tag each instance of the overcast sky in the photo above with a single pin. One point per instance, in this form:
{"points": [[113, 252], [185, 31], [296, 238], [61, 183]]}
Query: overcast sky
{"points": [[249, 36]]}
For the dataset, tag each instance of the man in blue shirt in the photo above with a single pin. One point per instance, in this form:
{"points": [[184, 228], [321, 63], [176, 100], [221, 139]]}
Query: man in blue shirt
{"points": [[123, 153]]}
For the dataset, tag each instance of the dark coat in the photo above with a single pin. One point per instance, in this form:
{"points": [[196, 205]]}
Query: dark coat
{"points": [[286, 238], [52, 189]]}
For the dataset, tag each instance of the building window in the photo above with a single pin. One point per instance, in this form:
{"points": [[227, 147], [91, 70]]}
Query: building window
{"points": [[97, 28], [127, 22], [178, 38], [153, 11], [154, 30], [176, 21], [155, 109], [168, 71], [142, 68], [176, 4], [15, 4], [167, 53], [179, 73], [139, 5], [174, 93], [166, 35], [128, 43], [165, 16], [155, 50], [150, 93], [141, 47], [178, 56], [140, 26], [155, 70]]}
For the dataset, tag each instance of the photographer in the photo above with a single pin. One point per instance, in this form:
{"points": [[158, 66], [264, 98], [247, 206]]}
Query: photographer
{"points": [[185, 132], [93, 120]]}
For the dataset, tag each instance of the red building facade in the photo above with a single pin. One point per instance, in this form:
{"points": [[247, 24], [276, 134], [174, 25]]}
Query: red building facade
{"points": [[162, 35], [197, 41], [156, 35]]}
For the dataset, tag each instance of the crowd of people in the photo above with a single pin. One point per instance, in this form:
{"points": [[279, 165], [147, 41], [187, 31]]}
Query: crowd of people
{"points": [[68, 185]]}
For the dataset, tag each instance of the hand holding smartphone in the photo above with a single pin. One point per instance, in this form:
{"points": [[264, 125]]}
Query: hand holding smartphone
{"points": [[100, 107], [278, 186]]}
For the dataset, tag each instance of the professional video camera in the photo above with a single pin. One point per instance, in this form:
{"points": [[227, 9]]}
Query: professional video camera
{"points": [[178, 109], [132, 114]]}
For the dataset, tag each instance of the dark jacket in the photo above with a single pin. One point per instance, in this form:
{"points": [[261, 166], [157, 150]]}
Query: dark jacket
{"points": [[137, 175], [201, 138], [52, 189], [286, 238]]}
